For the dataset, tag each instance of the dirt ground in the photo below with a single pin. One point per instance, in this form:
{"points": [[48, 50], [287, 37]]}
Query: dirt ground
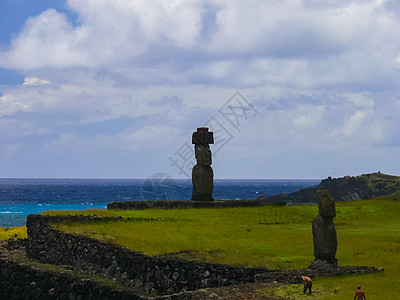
{"points": [[236, 292]]}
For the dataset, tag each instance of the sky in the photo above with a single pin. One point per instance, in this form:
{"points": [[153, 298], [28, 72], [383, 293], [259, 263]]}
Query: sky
{"points": [[114, 89]]}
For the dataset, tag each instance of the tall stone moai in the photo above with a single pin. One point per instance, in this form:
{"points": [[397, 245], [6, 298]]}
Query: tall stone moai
{"points": [[323, 229], [202, 173]]}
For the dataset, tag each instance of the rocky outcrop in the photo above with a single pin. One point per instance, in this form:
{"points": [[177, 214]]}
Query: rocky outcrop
{"points": [[346, 188], [306, 195]]}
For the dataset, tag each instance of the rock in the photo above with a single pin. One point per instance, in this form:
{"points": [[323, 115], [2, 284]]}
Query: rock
{"points": [[52, 292], [138, 283], [323, 229], [325, 265], [148, 287], [175, 276]]}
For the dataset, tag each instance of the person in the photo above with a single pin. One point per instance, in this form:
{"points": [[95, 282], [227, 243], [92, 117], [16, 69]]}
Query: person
{"points": [[307, 284], [360, 295]]}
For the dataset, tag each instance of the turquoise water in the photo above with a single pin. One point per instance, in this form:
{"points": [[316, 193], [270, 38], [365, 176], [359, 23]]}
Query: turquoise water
{"points": [[21, 197], [15, 214]]}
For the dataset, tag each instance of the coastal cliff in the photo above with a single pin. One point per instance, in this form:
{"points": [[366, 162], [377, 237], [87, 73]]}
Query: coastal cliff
{"points": [[366, 186]]}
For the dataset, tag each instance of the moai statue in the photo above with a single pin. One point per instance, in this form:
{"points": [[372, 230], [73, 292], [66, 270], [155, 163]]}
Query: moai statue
{"points": [[202, 173], [323, 229]]}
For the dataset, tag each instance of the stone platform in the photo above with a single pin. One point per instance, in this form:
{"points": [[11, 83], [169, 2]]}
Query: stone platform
{"points": [[180, 204]]}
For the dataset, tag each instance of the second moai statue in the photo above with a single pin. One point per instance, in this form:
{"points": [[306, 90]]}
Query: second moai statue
{"points": [[202, 173], [323, 229]]}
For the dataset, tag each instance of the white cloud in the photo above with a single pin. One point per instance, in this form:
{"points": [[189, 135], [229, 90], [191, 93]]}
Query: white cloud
{"points": [[109, 32], [35, 81], [154, 136], [9, 105], [127, 74], [309, 117], [251, 43], [47, 40], [354, 122], [361, 100]]}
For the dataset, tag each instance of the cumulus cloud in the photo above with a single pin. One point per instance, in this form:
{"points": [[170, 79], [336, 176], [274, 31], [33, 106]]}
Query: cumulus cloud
{"points": [[246, 43], [35, 81], [108, 32], [126, 74], [47, 40], [9, 105]]}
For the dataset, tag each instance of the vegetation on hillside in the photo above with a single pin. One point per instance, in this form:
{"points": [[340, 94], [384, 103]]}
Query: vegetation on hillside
{"points": [[347, 188], [382, 182]]}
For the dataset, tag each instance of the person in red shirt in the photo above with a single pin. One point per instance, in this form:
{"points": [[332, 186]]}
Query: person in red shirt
{"points": [[307, 284], [360, 295]]}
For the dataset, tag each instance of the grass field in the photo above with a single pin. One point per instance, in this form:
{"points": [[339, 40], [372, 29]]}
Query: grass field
{"points": [[271, 237], [15, 232]]}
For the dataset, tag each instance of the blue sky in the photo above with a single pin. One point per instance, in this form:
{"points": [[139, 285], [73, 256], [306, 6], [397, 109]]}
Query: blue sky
{"points": [[13, 15], [114, 89]]}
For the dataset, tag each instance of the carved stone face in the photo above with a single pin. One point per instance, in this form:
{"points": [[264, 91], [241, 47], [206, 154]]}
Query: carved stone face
{"points": [[203, 154], [326, 204]]}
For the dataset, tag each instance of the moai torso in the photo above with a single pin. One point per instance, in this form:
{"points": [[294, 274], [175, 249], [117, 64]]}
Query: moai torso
{"points": [[323, 229], [202, 173]]}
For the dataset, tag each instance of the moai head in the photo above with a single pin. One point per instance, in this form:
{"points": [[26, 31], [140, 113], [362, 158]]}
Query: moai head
{"points": [[201, 140], [203, 155], [326, 204]]}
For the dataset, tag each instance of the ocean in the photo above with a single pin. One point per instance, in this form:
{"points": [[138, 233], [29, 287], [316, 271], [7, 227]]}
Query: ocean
{"points": [[21, 197]]}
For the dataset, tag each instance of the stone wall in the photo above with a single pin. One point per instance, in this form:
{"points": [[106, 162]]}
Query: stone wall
{"points": [[132, 205], [18, 281], [150, 274], [134, 269]]}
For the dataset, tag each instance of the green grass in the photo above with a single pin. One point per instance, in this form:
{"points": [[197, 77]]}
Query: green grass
{"points": [[295, 292], [271, 237], [230, 236], [370, 237], [392, 197], [15, 232]]}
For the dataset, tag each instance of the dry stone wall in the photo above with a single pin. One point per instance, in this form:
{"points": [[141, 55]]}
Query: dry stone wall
{"points": [[152, 274], [18, 281]]}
